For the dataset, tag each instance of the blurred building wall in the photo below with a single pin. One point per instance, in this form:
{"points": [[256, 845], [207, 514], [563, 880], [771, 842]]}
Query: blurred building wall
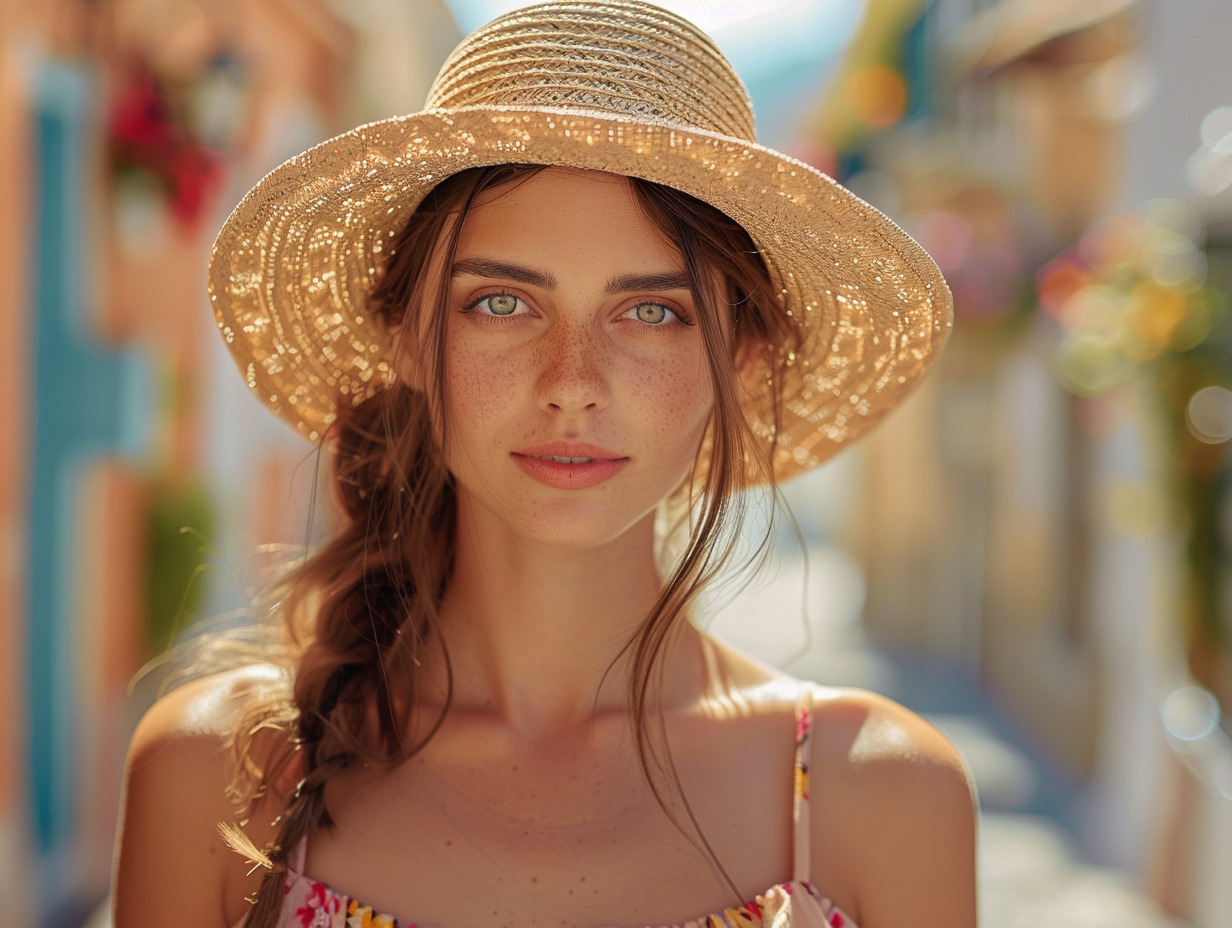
{"points": [[127, 132], [1185, 76], [13, 422], [1031, 527]]}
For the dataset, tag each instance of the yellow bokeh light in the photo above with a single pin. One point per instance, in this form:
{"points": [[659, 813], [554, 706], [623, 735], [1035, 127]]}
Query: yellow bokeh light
{"points": [[1152, 314], [877, 95]]}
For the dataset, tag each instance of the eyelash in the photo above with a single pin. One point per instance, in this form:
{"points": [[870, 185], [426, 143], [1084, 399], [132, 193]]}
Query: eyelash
{"points": [[490, 316], [680, 316]]}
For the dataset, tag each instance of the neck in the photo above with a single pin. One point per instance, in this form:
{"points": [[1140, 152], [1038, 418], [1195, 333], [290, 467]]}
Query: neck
{"points": [[537, 633]]}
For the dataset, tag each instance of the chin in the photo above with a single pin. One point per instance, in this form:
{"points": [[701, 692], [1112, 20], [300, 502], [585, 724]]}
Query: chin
{"points": [[572, 527]]}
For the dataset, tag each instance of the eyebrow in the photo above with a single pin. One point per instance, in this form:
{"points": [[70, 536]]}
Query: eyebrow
{"points": [[486, 267], [621, 283], [667, 280]]}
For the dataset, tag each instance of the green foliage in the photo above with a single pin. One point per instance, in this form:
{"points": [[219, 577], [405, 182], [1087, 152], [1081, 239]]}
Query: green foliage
{"points": [[1143, 300], [180, 521]]}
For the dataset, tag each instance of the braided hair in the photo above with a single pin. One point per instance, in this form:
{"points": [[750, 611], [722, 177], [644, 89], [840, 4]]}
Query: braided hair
{"points": [[357, 614]]}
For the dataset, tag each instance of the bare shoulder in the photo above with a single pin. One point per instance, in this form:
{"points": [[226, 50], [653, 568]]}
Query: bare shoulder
{"points": [[205, 707], [867, 734], [171, 863], [181, 741], [894, 813]]}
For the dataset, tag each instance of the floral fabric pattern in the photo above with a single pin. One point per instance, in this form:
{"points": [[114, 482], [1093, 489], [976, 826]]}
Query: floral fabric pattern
{"points": [[795, 904], [310, 904]]}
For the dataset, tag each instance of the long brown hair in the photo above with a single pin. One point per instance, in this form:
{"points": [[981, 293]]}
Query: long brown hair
{"points": [[355, 615]]}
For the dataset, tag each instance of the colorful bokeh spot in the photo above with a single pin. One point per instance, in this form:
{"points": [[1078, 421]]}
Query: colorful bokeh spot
{"points": [[1132, 289], [877, 95]]}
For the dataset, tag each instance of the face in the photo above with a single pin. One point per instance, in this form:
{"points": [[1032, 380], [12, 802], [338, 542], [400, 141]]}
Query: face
{"points": [[577, 389]]}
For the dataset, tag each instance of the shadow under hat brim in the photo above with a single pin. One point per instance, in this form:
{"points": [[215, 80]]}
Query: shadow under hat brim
{"points": [[292, 266]]}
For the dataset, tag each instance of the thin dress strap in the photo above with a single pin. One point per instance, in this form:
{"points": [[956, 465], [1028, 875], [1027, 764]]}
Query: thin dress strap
{"points": [[295, 863], [801, 830]]}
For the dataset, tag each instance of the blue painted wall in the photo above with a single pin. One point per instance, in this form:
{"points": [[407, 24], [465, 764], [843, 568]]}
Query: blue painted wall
{"points": [[88, 400]]}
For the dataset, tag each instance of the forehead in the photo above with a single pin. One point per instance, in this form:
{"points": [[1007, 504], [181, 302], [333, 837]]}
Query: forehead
{"points": [[569, 217]]}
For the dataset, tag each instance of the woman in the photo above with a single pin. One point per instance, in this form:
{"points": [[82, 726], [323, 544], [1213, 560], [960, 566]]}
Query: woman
{"points": [[548, 329]]}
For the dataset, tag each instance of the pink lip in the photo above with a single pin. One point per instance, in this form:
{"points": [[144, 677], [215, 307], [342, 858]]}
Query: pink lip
{"points": [[537, 463]]}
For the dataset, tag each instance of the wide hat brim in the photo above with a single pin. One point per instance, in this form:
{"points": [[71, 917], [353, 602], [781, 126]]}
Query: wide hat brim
{"points": [[291, 269]]}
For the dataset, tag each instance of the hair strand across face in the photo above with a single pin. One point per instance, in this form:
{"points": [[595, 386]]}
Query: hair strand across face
{"points": [[362, 610]]}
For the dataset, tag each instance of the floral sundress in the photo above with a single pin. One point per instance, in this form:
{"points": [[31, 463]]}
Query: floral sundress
{"points": [[309, 903]]}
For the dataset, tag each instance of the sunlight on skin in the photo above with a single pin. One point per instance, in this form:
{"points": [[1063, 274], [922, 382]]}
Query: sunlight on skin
{"points": [[883, 737], [569, 362], [577, 391]]}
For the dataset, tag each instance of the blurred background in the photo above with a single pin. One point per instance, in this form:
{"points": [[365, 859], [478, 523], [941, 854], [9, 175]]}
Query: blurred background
{"points": [[1036, 551]]}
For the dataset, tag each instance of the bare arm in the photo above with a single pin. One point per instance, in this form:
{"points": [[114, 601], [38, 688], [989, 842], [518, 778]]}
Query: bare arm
{"points": [[171, 865], [897, 799]]}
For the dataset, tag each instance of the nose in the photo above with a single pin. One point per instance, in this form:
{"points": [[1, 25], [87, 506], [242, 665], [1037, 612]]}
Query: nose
{"points": [[573, 375]]}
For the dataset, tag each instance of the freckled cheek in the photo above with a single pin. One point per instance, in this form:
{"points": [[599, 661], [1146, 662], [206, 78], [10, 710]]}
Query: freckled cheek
{"points": [[478, 385], [677, 407]]}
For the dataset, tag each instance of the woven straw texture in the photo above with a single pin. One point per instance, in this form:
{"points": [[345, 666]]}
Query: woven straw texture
{"points": [[622, 87]]}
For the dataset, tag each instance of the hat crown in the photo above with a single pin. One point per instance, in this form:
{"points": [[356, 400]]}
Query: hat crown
{"points": [[623, 59]]}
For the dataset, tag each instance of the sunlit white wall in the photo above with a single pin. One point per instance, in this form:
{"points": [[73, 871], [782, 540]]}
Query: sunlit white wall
{"points": [[1187, 75]]}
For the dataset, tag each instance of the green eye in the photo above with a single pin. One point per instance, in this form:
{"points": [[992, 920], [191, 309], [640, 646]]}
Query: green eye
{"points": [[501, 304], [651, 313]]}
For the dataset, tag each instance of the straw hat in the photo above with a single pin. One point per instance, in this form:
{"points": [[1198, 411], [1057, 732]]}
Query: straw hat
{"points": [[619, 86]]}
